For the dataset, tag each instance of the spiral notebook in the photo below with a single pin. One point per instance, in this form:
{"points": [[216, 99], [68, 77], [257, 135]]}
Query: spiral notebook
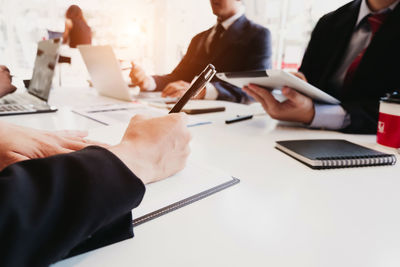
{"points": [[333, 153]]}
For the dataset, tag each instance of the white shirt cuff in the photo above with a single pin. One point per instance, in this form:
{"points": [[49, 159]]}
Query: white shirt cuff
{"points": [[211, 92], [153, 84], [331, 117]]}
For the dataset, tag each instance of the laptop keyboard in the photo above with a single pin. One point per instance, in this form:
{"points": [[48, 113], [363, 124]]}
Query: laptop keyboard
{"points": [[21, 103], [22, 99]]}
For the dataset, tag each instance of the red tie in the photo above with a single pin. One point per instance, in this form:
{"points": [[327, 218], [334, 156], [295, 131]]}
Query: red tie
{"points": [[375, 22]]}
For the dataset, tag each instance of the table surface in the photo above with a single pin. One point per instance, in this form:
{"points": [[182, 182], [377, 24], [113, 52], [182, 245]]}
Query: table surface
{"points": [[281, 214]]}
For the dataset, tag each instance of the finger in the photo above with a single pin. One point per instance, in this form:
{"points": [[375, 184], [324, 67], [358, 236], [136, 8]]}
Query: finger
{"points": [[269, 99], [300, 75], [11, 158], [257, 97], [74, 145], [72, 133], [177, 94], [293, 95], [168, 90]]}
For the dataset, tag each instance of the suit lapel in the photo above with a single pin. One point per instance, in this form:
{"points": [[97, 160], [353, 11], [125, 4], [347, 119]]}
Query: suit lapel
{"points": [[342, 32]]}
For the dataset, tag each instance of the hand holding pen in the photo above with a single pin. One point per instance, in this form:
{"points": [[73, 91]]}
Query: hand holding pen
{"points": [[201, 81], [140, 78]]}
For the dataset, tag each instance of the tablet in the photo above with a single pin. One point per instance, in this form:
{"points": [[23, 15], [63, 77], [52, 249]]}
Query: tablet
{"points": [[276, 79]]}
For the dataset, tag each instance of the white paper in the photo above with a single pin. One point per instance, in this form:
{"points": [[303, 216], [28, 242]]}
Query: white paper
{"points": [[195, 178]]}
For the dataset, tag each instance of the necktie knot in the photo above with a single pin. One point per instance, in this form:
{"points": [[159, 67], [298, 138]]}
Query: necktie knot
{"points": [[376, 21]]}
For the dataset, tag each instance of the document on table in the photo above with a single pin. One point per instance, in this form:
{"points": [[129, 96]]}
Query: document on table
{"points": [[194, 182], [117, 114], [112, 114]]}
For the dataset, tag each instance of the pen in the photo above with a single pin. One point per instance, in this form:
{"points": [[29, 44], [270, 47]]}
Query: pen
{"points": [[201, 81], [239, 118], [243, 118]]}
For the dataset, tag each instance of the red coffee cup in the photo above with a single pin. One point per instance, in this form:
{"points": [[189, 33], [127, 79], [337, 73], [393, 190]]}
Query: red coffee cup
{"points": [[389, 121]]}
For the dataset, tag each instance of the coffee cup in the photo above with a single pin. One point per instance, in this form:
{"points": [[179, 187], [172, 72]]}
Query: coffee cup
{"points": [[388, 133]]}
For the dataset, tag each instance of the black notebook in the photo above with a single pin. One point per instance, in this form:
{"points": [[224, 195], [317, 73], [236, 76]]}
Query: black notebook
{"points": [[331, 153]]}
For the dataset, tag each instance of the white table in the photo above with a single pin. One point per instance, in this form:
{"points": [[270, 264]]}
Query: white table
{"points": [[281, 214]]}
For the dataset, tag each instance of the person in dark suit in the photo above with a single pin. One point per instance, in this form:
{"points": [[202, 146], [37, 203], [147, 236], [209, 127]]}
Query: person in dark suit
{"points": [[353, 55], [233, 44], [55, 207]]}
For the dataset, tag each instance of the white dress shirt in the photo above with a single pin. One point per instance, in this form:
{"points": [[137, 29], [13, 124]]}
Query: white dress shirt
{"points": [[334, 117]]}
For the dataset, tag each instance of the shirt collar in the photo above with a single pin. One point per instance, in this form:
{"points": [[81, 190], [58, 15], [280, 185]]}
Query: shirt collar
{"points": [[228, 22], [365, 10]]}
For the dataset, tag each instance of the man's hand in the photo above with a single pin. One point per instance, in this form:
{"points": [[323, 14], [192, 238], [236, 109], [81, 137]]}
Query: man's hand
{"points": [[179, 88], [5, 81], [19, 143], [297, 107], [155, 148], [140, 78]]}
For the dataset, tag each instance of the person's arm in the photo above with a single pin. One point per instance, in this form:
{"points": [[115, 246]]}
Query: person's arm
{"points": [[180, 71], [19, 143], [50, 206], [359, 116]]}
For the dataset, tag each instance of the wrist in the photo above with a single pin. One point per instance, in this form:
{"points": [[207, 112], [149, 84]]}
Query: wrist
{"points": [[129, 156], [309, 117]]}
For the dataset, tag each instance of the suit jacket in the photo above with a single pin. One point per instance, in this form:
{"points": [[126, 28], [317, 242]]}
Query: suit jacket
{"points": [[50, 208], [376, 75], [244, 46]]}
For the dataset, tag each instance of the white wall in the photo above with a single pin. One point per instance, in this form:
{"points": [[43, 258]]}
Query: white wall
{"points": [[154, 33]]}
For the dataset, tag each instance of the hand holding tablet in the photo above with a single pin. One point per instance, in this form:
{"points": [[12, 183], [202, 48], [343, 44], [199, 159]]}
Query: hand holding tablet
{"points": [[276, 79]]}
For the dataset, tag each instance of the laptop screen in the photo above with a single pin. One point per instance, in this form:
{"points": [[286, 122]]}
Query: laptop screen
{"points": [[43, 72]]}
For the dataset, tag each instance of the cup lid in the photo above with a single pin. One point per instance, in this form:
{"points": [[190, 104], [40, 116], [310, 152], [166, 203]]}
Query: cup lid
{"points": [[393, 97]]}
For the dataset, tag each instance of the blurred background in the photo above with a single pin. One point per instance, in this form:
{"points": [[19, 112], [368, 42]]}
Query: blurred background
{"points": [[155, 33]]}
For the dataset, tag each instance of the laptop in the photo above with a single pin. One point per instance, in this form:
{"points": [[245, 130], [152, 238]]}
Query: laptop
{"points": [[34, 100], [105, 71]]}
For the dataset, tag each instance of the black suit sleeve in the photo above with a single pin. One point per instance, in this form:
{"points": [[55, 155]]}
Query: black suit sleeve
{"points": [[180, 71], [49, 206]]}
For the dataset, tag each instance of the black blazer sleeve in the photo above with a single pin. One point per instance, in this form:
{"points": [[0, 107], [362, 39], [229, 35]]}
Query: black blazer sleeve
{"points": [[50, 206], [180, 72]]}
